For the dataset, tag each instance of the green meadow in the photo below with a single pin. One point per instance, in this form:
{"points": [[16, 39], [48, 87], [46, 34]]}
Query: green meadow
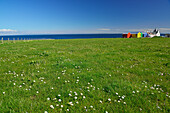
{"points": [[85, 75]]}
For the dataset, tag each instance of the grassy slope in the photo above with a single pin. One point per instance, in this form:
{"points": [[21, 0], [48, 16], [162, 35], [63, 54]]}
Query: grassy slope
{"points": [[98, 68]]}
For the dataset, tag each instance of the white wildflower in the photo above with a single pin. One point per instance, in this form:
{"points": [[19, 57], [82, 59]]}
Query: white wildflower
{"points": [[75, 98], [59, 100], [51, 106]]}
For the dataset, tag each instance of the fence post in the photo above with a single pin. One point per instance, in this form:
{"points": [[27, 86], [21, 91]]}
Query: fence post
{"points": [[2, 40], [14, 40], [8, 39]]}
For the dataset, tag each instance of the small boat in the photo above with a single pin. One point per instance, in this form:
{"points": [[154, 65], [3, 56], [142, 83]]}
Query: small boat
{"points": [[154, 33]]}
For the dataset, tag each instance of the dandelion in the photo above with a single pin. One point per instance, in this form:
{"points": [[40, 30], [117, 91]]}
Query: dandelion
{"points": [[70, 94], [61, 106], [91, 106], [45, 112], [37, 92], [58, 77], [140, 109], [44, 82], [59, 95], [51, 106], [106, 112], [14, 84], [77, 102], [137, 91], [124, 102], [33, 80], [84, 97], [81, 93], [68, 110], [118, 101], [116, 93], [85, 107], [133, 92], [57, 104], [3, 93], [20, 86], [48, 98], [100, 101]]}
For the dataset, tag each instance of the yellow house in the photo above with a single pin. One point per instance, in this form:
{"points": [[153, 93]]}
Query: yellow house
{"points": [[139, 35]]}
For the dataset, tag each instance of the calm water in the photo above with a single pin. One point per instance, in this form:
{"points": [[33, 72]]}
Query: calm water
{"points": [[61, 36]]}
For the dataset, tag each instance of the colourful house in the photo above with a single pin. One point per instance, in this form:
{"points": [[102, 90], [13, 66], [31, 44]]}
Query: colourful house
{"points": [[139, 35]]}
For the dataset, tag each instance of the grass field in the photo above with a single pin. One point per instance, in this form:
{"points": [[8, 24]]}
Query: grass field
{"points": [[85, 75]]}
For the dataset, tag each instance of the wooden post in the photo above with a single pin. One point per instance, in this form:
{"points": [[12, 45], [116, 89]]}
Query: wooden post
{"points": [[2, 40], [14, 40]]}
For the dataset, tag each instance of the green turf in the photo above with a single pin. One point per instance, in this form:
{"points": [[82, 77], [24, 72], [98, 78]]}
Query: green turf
{"points": [[85, 75]]}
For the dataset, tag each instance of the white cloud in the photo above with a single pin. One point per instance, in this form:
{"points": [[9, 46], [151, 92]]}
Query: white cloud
{"points": [[104, 29], [137, 30], [7, 30], [165, 29]]}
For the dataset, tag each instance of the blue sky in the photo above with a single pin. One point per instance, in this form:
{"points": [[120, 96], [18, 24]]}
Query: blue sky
{"points": [[83, 16]]}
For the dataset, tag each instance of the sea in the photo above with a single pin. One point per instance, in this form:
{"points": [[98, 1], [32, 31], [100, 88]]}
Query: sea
{"points": [[61, 36]]}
